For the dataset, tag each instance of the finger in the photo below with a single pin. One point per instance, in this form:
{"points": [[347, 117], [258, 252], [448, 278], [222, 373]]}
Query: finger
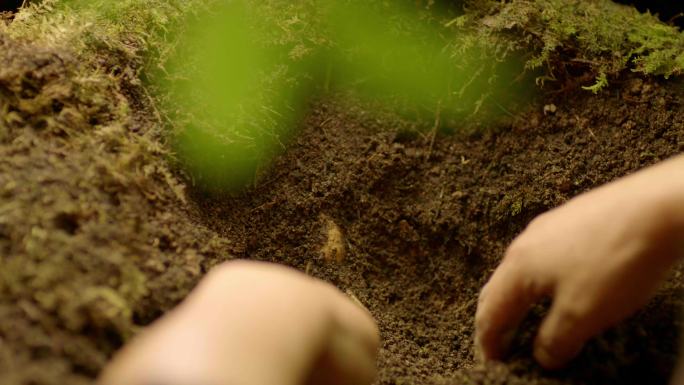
{"points": [[345, 361], [354, 318], [350, 355], [503, 304], [154, 359], [328, 336], [562, 334]]}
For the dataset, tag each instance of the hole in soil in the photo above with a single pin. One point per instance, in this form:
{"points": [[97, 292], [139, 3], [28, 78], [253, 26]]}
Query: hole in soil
{"points": [[67, 222], [57, 106], [393, 298], [667, 10], [165, 243], [4, 231], [114, 199]]}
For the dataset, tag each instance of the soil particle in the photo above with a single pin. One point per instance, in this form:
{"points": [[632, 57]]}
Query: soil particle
{"points": [[334, 249]]}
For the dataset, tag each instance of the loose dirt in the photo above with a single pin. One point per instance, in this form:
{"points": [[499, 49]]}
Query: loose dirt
{"points": [[96, 240]]}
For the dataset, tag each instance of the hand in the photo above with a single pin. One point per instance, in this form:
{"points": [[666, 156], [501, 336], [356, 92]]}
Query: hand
{"points": [[252, 323], [600, 257]]}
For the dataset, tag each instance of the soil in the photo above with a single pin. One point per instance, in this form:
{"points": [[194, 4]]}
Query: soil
{"points": [[425, 224], [97, 240]]}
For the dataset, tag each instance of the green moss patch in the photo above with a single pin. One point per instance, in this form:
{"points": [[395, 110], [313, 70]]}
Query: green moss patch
{"points": [[563, 38]]}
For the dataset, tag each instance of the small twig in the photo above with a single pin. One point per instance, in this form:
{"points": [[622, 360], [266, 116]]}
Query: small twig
{"points": [[433, 132], [356, 300]]}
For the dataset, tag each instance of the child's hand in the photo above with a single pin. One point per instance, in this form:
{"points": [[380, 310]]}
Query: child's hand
{"points": [[252, 323], [600, 257]]}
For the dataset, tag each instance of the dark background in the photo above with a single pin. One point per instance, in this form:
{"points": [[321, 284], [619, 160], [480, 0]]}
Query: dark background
{"points": [[666, 9], [10, 5]]}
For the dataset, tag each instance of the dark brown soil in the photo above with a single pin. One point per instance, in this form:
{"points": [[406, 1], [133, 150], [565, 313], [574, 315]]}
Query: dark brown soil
{"points": [[426, 224], [95, 239]]}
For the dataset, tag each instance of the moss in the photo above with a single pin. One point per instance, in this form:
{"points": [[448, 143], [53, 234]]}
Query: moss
{"points": [[516, 207], [562, 38], [556, 36], [85, 190], [130, 42]]}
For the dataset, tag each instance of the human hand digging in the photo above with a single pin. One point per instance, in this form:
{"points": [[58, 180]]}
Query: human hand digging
{"points": [[250, 323], [600, 257]]}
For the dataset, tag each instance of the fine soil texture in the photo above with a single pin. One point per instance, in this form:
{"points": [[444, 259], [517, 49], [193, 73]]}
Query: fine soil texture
{"points": [[425, 222], [99, 235]]}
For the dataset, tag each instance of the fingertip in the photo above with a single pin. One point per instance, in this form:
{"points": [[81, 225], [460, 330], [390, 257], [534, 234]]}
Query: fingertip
{"points": [[502, 304], [352, 315], [554, 358], [483, 353], [547, 359], [482, 296], [482, 339], [560, 339], [478, 353], [491, 345]]}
